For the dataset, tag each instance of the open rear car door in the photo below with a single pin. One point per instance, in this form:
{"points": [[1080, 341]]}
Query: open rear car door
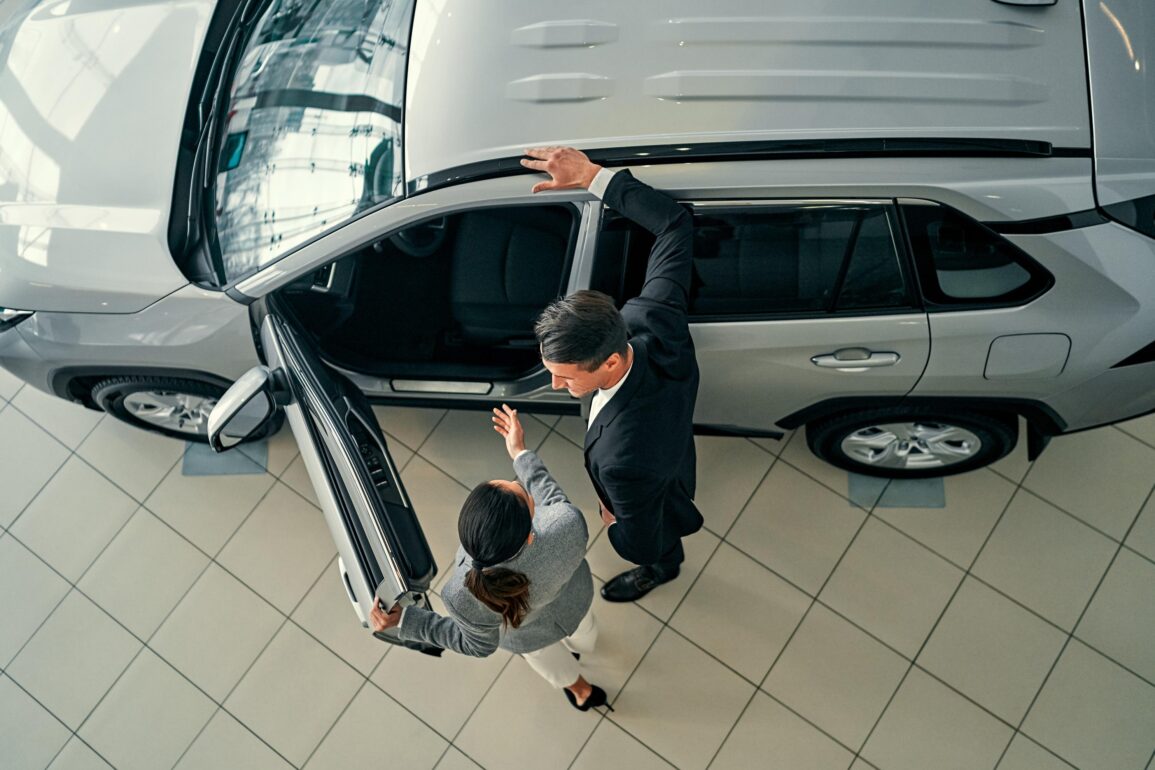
{"points": [[382, 550]]}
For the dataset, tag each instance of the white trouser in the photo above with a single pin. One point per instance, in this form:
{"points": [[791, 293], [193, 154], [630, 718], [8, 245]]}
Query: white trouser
{"points": [[555, 663]]}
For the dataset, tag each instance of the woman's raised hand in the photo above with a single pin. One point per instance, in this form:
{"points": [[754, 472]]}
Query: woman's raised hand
{"points": [[506, 423]]}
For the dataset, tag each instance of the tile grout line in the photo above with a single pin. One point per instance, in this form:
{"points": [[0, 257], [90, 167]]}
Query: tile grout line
{"points": [[1074, 628], [723, 539], [934, 627], [71, 733]]}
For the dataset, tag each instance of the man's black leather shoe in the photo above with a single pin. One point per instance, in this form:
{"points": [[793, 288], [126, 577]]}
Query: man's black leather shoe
{"points": [[635, 583]]}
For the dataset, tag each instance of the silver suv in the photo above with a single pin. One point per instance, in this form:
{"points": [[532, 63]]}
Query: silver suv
{"points": [[912, 228]]}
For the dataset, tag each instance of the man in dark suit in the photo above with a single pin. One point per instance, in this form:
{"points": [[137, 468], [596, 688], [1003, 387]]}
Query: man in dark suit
{"points": [[640, 369]]}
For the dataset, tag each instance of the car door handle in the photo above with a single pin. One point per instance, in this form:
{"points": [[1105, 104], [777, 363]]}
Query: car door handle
{"points": [[855, 358]]}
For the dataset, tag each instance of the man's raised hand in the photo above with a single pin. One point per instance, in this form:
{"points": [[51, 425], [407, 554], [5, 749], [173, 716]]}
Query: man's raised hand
{"points": [[567, 167]]}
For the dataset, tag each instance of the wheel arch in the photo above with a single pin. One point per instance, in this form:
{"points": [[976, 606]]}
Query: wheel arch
{"points": [[1043, 422], [75, 383]]}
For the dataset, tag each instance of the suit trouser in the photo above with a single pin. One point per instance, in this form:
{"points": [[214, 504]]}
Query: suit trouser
{"points": [[555, 664]]}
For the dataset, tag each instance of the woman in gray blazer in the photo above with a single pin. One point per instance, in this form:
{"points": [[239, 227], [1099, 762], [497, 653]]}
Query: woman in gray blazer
{"points": [[520, 580]]}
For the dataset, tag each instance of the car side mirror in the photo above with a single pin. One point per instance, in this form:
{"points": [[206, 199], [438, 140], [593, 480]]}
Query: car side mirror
{"points": [[246, 406]]}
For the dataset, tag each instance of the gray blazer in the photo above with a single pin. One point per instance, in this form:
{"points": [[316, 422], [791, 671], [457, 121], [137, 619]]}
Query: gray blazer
{"points": [[560, 586]]}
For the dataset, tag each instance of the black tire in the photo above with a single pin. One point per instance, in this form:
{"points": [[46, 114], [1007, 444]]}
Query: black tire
{"points": [[115, 396], [991, 437]]}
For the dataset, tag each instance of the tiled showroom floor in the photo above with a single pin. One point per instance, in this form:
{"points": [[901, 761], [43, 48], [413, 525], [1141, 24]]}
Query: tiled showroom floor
{"points": [[153, 619]]}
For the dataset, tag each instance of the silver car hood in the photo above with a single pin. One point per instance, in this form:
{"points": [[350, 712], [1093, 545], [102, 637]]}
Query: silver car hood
{"points": [[92, 99], [488, 79]]}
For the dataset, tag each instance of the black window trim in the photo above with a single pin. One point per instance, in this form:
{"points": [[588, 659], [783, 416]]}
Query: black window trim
{"points": [[1037, 272], [912, 297]]}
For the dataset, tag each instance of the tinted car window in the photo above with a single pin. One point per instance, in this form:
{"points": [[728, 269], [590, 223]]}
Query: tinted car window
{"points": [[960, 262], [313, 125], [795, 258]]}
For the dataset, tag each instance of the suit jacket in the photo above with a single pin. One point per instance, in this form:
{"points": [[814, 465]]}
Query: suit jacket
{"points": [[639, 451], [560, 586]]}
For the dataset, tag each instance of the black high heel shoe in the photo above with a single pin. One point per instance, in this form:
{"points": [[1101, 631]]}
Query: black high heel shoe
{"points": [[597, 698]]}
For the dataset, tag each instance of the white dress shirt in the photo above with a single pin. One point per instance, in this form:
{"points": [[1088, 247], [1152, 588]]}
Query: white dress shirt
{"points": [[602, 396]]}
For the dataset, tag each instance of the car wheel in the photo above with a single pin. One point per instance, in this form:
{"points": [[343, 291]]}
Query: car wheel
{"points": [[911, 443], [174, 407]]}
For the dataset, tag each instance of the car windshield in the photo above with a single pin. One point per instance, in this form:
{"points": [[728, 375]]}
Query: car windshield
{"points": [[312, 132]]}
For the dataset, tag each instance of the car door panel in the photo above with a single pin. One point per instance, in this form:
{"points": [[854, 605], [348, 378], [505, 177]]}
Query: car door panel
{"points": [[369, 515], [775, 358]]}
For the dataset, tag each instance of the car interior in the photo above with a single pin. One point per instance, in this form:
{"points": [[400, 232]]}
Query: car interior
{"points": [[449, 298]]}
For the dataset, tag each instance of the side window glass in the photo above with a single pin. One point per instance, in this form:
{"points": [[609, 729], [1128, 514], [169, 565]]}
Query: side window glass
{"points": [[960, 262], [804, 258]]}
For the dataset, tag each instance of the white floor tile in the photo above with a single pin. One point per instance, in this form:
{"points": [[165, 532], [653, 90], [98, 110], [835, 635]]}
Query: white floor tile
{"points": [[797, 453], [547, 732], [796, 527], [741, 612], [729, 470], [67, 421], [143, 573], [437, 501], [929, 725], [226, 743], [10, 384], [281, 450], [974, 502], [327, 614], [681, 702], [1044, 559], [303, 546], [74, 518], [992, 650], [625, 633], [294, 693], [770, 730], [149, 718], [405, 742], [772, 445], [1093, 713], [1025, 754], [29, 591], [28, 458], [611, 746], [216, 632], [466, 446], [207, 509], [1120, 623], [573, 428], [29, 735], [77, 755], [891, 586], [296, 477], [1142, 428], [455, 760], [664, 599], [1142, 537], [409, 425], [134, 459], [1116, 461], [73, 659], [443, 691], [836, 676]]}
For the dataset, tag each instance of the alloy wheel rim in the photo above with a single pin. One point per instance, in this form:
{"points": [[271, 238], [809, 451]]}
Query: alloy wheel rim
{"points": [[171, 410], [911, 445]]}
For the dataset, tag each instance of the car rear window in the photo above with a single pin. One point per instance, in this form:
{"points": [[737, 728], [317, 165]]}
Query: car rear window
{"points": [[961, 262]]}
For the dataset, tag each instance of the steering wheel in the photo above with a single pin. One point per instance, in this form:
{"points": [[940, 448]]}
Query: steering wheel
{"points": [[421, 240]]}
